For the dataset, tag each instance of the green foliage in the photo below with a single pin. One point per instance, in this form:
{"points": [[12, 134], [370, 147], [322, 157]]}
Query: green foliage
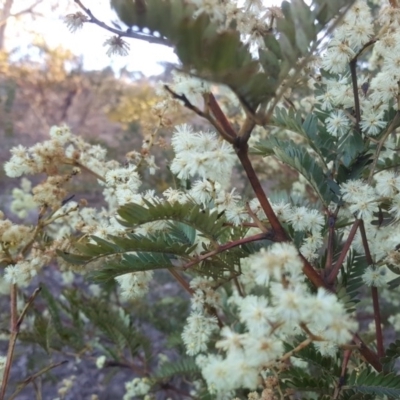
{"points": [[348, 288], [116, 327], [221, 56], [318, 363], [300, 380], [65, 327], [319, 377], [131, 263], [392, 353], [162, 250], [183, 367], [298, 157], [208, 223], [378, 384]]}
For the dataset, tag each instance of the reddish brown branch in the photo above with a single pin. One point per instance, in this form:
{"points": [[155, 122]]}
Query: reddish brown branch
{"points": [[279, 232], [335, 270], [15, 323], [370, 356], [227, 246], [374, 293], [220, 116]]}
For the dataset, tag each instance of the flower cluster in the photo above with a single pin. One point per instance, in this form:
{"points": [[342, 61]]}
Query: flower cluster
{"points": [[201, 154], [270, 321]]}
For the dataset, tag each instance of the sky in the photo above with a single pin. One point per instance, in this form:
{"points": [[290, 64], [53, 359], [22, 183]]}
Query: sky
{"points": [[87, 42]]}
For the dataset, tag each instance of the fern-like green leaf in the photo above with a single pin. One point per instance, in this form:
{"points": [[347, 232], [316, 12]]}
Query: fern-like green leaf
{"points": [[298, 158], [317, 361], [205, 221], [132, 263], [298, 379], [391, 355], [182, 367], [120, 330], [371, 382], [348, 289]]}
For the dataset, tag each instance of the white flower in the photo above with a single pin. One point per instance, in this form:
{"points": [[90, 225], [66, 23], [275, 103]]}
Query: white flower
{"points": [[364, 208], [375, 276], [116, 45], [197, 332], [255, 313], [384, 88], [282, 210], [232, 341], [202, 154], [260, 350], [202, 191], [218, 374], [280, 259], [21, 273], [337, 124], [371, 123], [60, 134], [75, 21], [326, 101], [337, 57], [134, 284], [341, 330], [183, 138], [290, 304], [299, 218], [356, 190], [387, 183], [137, 387], [328, 349], [100, 361]]}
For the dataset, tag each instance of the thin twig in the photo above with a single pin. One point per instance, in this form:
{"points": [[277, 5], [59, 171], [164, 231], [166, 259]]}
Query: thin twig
{"points": [[129, 33], [180, 280], [335, 270], [12, 341], [331, 239], [374, 293], [19, 13], [32, 378], [14, 329], [254, 217], [220, 116], [279, 232], [227, 246], [353, 72], [221, 129], [186, 102], [247, 129], [370, 356], [342, 378], [298, 348]]}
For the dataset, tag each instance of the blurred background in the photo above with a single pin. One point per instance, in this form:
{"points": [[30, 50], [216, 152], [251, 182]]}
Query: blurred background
{"points": [[50, 76]]}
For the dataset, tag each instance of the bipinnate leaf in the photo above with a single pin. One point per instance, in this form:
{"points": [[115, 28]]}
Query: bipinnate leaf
{"points": [[348, 289], [203, 220], [115, 327], [298, 157], [183, 367], [392, 353], [371, 382]]}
